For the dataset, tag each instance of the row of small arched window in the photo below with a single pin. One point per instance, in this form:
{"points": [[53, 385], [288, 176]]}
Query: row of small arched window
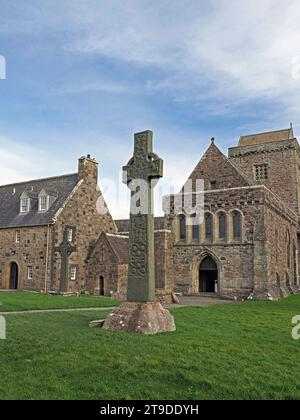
{"points": [[224, 222]]}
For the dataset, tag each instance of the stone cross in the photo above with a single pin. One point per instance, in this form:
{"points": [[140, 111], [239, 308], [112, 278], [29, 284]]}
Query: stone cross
{"points": [[141, 175], [65, 250]]}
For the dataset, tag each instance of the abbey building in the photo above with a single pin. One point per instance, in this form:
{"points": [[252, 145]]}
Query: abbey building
{"points": [[246, 244]]}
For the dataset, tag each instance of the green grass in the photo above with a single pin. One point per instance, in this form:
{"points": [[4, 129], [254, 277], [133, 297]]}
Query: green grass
{"points": [[242, 351], [24, 301]]}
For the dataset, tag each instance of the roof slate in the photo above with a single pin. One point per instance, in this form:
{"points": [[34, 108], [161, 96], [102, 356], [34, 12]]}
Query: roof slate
{"points": [[120, 246], [10, 195]]}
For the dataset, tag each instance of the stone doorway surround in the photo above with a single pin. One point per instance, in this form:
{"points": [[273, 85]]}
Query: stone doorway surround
{"points": [[195, 271], [7, 272]]}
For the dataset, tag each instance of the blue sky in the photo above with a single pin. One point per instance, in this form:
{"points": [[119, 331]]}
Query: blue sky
{"points": [[83, 76]]}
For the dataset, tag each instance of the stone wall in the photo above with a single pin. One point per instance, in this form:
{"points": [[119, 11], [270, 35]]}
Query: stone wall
{"points": [[276, 251], [81, 213], [283, 163], [215, 168], [246, 264], [103, 262], [31, 251]]}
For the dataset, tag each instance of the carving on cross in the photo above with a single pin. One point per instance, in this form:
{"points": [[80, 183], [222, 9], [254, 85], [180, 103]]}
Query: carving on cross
{"points": [[144, 164], [148, 167], [65, 249]]}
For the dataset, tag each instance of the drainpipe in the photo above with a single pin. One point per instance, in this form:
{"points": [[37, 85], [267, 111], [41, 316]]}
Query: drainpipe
{"points": [[47, 257]]}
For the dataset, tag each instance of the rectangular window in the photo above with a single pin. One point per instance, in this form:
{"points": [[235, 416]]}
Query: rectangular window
{"points": [[70, 235], [43, 203], [18, 237], [73, 273], [213, 185], [30, 272], [261, 172], [24, 205]]}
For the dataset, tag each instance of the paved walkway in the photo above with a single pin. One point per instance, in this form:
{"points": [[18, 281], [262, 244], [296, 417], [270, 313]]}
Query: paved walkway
{"points": [[42, 311], [201, 300]]}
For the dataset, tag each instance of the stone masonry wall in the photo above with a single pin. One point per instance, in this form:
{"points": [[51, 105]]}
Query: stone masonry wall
{"points": [[283, 165], [31, 251], [103, 262], [241, 263], [81, 214]]}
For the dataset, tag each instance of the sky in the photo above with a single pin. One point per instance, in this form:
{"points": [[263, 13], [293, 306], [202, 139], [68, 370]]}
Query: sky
{"points": [[83, 76]]}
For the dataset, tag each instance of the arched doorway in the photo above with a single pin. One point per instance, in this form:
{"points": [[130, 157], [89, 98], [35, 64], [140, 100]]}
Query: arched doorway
{"points": [[13, 276], [101, 286], [208, 276]]}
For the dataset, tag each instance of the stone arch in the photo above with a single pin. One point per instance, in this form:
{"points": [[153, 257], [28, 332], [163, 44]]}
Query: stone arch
{"points": [[197, 261], [11, 277]]}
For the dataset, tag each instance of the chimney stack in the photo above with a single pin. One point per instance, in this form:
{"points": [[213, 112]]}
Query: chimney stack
{"points": [[88, 169]]}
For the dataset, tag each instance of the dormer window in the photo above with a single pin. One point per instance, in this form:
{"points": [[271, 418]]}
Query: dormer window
{"points": [[24, 205], [43, 203]]}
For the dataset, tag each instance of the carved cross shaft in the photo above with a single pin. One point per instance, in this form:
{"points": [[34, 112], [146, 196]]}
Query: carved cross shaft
{"points": [[65, 250], [141, 175]]}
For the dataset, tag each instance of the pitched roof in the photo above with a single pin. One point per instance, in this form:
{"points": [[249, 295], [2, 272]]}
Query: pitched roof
{"points": [[123, 224], [268, 137], [120, 246], [10, 216], [214, 165]]}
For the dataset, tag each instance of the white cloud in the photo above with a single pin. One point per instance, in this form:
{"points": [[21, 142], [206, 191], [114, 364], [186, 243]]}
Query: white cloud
{"points": [[233, 52], [216, 54], [19, 162]]}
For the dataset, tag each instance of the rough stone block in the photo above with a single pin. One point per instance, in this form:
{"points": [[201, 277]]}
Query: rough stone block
{"points": [[143, 318]]}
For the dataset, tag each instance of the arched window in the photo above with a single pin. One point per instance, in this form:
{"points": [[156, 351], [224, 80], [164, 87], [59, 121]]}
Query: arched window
{"points": [[182, 227], [237, 225], [278, 283], [196, 227], [288, 249], [222, 226], [208, 226]]}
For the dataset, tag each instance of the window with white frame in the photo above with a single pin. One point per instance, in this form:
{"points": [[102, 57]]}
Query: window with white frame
{"points": [[18, 237], [70, 235], [24, 205], [73, 273], [43, 203], [30, 272]]}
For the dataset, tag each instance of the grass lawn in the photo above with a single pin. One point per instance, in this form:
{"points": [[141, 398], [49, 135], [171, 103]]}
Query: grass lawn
{"points": [[24, 301], [242, 351]]}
